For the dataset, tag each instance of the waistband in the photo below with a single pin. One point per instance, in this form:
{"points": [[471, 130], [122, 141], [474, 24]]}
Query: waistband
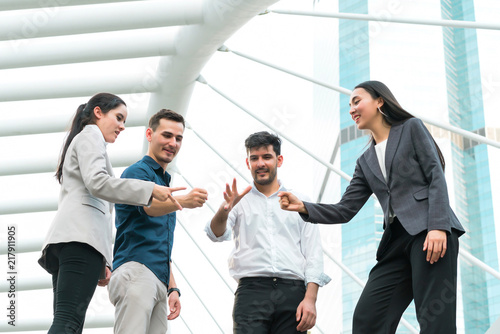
{"points": [[275, 280]]}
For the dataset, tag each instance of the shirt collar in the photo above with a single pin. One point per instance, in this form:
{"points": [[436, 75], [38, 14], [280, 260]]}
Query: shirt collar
{"points": [[281, 188], [156, 166], [95, 128]]}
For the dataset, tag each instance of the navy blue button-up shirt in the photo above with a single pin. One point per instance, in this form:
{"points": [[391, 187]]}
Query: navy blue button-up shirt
{"points": [[142, 238]]}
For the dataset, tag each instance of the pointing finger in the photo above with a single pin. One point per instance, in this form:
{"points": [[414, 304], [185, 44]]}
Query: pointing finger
{"points": [[175, 202]]}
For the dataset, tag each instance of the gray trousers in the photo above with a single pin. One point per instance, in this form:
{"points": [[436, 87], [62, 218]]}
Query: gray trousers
{"points": [[140, 300]]}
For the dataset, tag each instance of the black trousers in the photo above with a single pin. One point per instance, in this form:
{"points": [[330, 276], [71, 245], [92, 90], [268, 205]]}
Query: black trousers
{"points": [[77, 267], [267, 305], [402, 274]]}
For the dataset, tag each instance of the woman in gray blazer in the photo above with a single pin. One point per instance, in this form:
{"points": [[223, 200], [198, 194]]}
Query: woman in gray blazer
{"points": [[417, 256], [77, 249]]}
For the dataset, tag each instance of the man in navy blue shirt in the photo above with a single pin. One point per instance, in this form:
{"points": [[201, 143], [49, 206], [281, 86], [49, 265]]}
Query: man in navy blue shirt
{"points": [[142, 279]]}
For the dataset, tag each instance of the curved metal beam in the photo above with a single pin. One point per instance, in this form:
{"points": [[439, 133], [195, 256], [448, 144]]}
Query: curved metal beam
{"points": [[28, 325], [42, 124], [60, 21], [390, 18], [87, 48], [49, 164], [68, 85], [195, 46], [30, 4]]}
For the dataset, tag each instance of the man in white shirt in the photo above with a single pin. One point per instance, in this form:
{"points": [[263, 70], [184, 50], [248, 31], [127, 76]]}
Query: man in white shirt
{"points": [[277, 258]]}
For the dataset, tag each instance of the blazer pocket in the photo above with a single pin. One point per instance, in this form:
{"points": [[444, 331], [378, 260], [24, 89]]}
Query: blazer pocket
{"points": [[95, 203], [421, 194]]}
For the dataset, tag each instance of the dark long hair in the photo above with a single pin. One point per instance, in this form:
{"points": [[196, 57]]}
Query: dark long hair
{"points": [[85, 115], [392, 111]]}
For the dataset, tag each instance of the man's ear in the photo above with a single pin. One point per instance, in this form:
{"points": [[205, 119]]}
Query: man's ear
{"points": [[248, 165], [280, 160], [149, 134]]}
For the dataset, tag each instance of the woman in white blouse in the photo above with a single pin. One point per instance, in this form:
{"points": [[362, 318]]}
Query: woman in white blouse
{"points": [[417, 256]]}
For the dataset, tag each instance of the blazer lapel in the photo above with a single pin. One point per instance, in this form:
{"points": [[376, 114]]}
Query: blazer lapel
{"points": [[372, 161], [392, 145]]}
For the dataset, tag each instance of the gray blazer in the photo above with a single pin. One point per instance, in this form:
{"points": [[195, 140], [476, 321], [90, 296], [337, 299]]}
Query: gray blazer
{"points": [[416, 187], [88, 187]]}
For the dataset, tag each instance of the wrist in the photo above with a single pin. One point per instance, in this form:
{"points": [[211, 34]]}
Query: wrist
{"points": [[156, 188], [169, 291], [311, 297], [181, 199], [311, 292], [223, 212]]}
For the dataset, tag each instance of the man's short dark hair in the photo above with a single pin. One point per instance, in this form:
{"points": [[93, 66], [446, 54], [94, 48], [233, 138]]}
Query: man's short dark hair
{"points": [[263, 139], [154, 121]]}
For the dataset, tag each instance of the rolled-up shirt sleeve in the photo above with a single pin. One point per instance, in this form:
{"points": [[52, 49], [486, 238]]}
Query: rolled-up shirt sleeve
{"points": [[227, 233], [313, 252], [210, 234]]}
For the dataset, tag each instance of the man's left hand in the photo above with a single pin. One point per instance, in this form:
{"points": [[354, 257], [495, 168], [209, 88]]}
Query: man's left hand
{"points": [[306, 314], [175, 305]]}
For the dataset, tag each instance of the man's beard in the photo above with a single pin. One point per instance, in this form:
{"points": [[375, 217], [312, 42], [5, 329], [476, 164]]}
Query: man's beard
{"points": [[265, 182]]}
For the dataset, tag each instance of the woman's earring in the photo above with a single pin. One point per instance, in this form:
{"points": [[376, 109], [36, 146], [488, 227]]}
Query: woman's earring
{"points": [[380, 110]]}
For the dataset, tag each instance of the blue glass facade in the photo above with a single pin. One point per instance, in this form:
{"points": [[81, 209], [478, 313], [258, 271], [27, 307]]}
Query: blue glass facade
{"points": [[361, 236], [480, 291]]}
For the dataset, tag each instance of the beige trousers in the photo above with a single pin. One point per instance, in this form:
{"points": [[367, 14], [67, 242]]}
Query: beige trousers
{"points": [[140, 300]]}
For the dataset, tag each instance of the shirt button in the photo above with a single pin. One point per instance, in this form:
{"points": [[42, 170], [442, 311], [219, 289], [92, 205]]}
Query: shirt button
{"points": [[274, 279]]}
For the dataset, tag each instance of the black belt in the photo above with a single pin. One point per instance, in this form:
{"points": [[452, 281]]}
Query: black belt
{"points": [[275, 280]]}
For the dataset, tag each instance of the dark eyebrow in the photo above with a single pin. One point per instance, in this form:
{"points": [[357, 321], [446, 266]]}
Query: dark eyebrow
{"points": [[171, 134], [265, 155]]}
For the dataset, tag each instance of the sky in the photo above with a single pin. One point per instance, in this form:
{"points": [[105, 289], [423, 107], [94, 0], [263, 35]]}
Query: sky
{"points": [[287, 103]]}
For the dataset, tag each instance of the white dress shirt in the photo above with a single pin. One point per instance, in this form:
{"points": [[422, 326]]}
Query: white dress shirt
{"points": [[380, 149], [271, 242]]}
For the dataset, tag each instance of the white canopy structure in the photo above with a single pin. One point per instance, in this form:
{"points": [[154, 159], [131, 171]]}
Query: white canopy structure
{"points": [[64, 50]]}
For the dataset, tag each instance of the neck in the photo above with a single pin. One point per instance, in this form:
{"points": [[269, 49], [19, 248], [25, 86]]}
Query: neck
{"points": [[380, 132], [268, 189], [161, 163]]}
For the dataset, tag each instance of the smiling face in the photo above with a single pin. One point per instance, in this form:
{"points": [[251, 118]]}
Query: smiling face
{"points": [[364, 110], [165, 142], [263, 164], [112, 122]]}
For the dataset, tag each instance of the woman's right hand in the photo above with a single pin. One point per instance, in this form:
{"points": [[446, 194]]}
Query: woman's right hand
{"points": [[162, 193], [290, 202]]}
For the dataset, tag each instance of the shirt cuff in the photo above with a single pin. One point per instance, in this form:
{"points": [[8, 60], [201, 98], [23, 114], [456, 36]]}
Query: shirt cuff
{"points": [[225, 237], [322, 280]]}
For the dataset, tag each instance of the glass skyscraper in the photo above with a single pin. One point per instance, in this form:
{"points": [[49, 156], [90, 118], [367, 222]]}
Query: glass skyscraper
{"points": [[480, 291], [469, 181], [360, 238]]}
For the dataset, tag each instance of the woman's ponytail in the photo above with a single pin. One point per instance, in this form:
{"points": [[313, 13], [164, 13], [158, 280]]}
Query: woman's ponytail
{"points": [[85, 115]]}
